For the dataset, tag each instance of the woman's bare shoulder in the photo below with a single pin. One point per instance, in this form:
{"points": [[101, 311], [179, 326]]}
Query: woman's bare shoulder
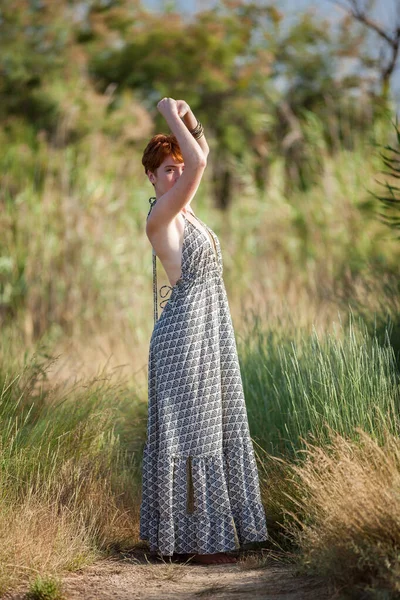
{"points": [[156, 228]]}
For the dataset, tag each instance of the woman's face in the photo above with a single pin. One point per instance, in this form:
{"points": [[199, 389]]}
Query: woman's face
{"points": [[166, 175]]}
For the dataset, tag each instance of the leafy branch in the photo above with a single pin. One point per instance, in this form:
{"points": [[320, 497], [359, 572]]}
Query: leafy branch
{"points": [[390, 201]]}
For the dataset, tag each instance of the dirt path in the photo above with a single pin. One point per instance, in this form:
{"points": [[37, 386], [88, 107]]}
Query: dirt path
{"points": [[131, 578]]}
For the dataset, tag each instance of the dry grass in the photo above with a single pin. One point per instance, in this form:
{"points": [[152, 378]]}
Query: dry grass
{"points": [[350, 496], [250, 561], [36, 539], [167, 570], [44, 536]]}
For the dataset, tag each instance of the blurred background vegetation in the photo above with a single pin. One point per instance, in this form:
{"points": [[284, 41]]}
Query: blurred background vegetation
{"points": [[293, 136], [302, 190]]}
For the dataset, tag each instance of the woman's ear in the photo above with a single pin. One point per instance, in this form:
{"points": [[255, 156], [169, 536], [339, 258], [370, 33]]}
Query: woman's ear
{"points": [[151, 177]]}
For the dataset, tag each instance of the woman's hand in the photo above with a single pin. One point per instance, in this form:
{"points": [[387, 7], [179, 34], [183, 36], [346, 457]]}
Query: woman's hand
{"points": [[183, 107], [167, 106]]}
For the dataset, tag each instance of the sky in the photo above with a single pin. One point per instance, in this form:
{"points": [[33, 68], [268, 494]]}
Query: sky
{"points": [[383, 12]]}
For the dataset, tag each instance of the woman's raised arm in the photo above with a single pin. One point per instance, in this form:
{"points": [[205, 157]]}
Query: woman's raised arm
{"points": [[186, 113], [193, 155], [195, 160]]}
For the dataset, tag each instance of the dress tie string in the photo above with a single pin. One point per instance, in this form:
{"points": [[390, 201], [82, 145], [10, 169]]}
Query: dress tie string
{"points": [[166, 294]]}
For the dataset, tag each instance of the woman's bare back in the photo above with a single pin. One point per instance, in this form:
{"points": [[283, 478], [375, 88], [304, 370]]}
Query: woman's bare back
{"points": [[168, 243]]}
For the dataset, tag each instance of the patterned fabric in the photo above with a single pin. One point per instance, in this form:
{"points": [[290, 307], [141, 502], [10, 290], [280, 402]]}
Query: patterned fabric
{"points": [[200, 482]]}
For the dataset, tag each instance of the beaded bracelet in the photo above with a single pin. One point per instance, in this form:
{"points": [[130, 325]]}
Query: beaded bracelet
{"points": [[197, 131]]}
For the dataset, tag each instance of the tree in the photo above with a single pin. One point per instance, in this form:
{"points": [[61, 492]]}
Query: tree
{"points": [[31, 50], [386, 62], [217, 63]]}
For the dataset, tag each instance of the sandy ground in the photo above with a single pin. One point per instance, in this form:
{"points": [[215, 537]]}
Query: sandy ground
{"points": [[132, 577]]}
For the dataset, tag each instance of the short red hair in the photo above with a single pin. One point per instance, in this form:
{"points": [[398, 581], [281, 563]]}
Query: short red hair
{"points": [[159, 147]]}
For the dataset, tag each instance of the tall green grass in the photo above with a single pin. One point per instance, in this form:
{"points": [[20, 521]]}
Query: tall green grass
{"points": [[309, 384]]}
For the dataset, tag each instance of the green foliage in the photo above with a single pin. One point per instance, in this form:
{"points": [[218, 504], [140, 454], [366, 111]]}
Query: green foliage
{"points": [[71, 223], [45, 588], [32, 45], [210, 61]]}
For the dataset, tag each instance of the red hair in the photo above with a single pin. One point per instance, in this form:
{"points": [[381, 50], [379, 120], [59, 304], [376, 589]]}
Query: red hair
{"points": [[159, 147]]}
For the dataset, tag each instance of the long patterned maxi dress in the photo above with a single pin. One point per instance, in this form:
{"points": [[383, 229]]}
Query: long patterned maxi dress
{"points": [[200, 490]]}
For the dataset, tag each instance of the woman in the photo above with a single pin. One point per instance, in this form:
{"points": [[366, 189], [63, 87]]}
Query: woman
{"points": [[201, 496]]}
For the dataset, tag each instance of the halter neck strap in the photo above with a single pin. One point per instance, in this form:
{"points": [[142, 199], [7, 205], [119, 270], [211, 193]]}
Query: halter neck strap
{"points": [[152, 202]]}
